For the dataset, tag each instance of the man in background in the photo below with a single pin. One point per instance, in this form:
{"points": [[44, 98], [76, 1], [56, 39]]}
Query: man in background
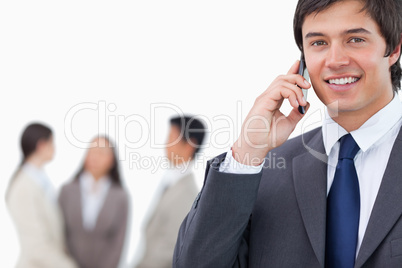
{"points": [[178, 190]]}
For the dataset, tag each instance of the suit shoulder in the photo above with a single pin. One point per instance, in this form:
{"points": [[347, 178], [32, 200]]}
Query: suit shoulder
{"points": [[68, 192], [22, 182], [119, 192], [67, 187], [22, 190]]}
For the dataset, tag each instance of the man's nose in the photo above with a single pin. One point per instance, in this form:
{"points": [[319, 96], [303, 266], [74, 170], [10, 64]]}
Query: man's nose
{"points": [[337, 56]]}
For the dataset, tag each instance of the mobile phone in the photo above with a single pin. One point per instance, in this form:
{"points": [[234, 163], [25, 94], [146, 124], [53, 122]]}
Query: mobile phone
{"points": [[303, 72]]}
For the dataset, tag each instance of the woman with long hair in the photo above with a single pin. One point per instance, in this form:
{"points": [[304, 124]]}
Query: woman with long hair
{"points": [[32, 204], [95, 209]]}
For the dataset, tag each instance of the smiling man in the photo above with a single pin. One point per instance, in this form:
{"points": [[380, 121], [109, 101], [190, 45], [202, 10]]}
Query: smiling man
{"points": [[345, 51], [338, 202]]}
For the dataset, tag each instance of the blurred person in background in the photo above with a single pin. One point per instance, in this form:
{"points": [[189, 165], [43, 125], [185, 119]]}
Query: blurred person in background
{"points": [[33, 207], [176, 193], [95, 208]]}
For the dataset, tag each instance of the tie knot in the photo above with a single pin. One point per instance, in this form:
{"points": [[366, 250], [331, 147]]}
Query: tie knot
{"points": [[348, 148]]}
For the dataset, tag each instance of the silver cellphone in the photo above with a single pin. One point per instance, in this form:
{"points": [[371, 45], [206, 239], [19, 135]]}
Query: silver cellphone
{"points": [[303, 72]]}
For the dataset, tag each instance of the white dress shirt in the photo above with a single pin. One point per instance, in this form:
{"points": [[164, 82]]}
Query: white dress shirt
{"points": [[375, 139], [93, 193], [39, 176]]}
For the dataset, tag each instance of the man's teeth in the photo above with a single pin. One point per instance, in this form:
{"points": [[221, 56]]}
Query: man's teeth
{"points": [[343, 81]]}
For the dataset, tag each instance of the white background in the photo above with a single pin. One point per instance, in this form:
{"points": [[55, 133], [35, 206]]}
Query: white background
{"points": [[122, 68]]}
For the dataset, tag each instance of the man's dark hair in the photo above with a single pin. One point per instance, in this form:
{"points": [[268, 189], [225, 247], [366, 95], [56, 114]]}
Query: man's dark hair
{"points": [[386, 13], [192, 130]]}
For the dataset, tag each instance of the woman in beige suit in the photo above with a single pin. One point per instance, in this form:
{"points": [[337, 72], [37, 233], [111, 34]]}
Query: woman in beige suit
{"points": [[33, 207], [95, 209]]}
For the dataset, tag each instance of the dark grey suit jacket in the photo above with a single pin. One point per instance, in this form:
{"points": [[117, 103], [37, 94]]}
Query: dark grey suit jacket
{"points": [[101, 247], [277, 218]]}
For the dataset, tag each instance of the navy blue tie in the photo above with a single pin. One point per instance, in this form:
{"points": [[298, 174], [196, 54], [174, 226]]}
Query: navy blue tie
{"points": [[343, 209]]}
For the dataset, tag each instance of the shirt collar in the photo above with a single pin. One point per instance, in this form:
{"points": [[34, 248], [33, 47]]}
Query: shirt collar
{"points": [[175, 173], [89, 183], [39, 176], [369, 133], [35, 172]]}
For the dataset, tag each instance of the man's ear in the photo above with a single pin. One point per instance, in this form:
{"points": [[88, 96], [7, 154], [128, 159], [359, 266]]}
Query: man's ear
{"points": [[396, 53], [192, 145]]}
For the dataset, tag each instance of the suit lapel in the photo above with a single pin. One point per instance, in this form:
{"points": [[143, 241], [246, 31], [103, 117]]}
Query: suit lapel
{"points": [[388, 205], [310, 181], [104, 220], [76, 203]]}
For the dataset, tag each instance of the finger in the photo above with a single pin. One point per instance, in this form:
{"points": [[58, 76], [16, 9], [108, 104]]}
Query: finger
{"points": [[273, 100], [291, 95], [296, 83], [292, 98], [294, 79], [297, 79], [284, 85], [294, 117], [295, 68], [298, 92]]}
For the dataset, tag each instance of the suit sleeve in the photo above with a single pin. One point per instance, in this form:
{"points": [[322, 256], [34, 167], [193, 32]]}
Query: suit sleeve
{"points": [[215, 232], [39, 247]]}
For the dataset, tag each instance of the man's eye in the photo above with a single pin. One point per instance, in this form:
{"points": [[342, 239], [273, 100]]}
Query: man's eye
{"points": [[318, 43], [356, 40]]}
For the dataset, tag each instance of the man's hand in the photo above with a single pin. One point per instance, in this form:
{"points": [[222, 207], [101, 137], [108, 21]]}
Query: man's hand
{"points": [[265, 127]]}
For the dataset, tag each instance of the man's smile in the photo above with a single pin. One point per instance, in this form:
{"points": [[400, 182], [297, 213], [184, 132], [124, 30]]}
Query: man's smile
{"points": [[343, 80]]}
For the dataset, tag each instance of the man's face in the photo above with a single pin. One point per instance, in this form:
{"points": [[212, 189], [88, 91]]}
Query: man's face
{"points": [[176, 148], [344, 53]]}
